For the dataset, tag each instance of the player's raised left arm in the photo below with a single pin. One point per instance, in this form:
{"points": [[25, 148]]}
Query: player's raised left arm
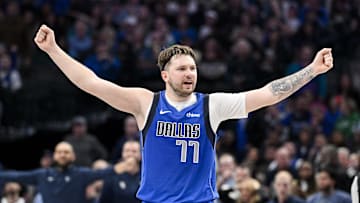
{"points": [[280, 89]]}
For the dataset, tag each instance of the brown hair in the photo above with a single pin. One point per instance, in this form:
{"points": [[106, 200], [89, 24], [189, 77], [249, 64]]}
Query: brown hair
{"points": [[166, 54]]}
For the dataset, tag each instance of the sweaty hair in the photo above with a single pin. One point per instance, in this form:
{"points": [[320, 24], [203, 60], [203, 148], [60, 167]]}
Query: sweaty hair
{"points": [[166, 54]]}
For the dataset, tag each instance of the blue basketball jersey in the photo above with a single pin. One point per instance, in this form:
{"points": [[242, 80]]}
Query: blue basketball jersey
{"points": [[178, 163]]}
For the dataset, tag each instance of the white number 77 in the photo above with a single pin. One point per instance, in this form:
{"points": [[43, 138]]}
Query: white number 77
{"points": [[184, 145]]}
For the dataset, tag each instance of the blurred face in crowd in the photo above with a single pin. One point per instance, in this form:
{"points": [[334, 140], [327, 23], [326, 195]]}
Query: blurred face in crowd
{"points": [[282, 185], [64, 154], [80, 29], [180, 75], [241, 174], [305, 171], [12, 192], [99, 164], [343, 158], [226, 163], [253, 154], [131, 149], [354, 160], [46, 161], [5, 62], [283, 158], [320, 140], [131, 128], [324, 182], [79, 128], [248, 190]]}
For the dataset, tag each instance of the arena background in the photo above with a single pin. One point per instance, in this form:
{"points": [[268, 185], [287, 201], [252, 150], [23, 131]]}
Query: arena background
{"points": [[272, 39]]}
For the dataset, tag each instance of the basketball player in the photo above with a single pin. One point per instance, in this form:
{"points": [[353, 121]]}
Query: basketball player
{"points": [[178, 125]]}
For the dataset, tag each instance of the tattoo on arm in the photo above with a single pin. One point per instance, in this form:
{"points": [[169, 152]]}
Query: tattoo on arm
{"points": [[285, 86]]}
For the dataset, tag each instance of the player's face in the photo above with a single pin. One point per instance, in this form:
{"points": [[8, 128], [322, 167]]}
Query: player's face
{"points": [[181, 75], [64, 154]]}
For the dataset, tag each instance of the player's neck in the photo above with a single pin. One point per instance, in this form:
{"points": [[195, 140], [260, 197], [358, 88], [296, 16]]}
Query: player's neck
{"points": [[181, 104]]}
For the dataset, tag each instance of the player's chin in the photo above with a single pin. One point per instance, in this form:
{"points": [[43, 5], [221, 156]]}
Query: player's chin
{"points": [[186, 92], [189, 89]]}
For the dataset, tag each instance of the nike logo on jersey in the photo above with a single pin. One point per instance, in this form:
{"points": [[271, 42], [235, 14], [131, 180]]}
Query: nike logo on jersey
{"points": [[164, 112]]}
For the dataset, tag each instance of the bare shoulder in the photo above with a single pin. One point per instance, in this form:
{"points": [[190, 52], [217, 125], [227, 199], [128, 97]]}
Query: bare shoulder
{"points": [[145, 98]]}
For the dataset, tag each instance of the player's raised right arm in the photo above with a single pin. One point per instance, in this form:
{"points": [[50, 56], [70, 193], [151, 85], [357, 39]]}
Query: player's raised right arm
{"points": [[131, 100]]}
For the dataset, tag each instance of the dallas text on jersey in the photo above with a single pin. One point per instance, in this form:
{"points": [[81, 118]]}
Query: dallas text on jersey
{"points": [[178, 130]]}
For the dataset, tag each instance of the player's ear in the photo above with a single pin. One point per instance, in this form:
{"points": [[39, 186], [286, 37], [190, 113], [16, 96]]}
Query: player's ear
{"points": [[164, 75]]}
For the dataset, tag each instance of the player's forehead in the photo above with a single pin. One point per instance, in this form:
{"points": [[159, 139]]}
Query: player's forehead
{"points": [[182, 60]]}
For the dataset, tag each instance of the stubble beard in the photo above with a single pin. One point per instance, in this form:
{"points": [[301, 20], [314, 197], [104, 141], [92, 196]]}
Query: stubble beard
{"points": [[178, 91]]}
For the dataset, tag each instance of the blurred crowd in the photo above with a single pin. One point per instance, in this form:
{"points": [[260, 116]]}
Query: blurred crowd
{"points": [[241, 45]]}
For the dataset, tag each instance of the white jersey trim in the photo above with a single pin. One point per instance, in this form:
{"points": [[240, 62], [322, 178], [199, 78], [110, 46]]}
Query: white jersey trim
{"points": [[225, 106]]}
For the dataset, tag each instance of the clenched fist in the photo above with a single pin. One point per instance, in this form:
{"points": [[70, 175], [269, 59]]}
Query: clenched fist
{"points": [[323, 61], [45, 39]]}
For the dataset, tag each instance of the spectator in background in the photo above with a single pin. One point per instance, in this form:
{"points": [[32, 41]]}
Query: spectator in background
{"points": [[304, 185], [86, 146], [226, 176], [131, 132], [249, 191], [299, 117], [325, 181], [251, 160], [348, 120], [157, 38], [331, 115], [12, 193], [123, 186], [161, 28], [346, 89], [343, 156], [283, 185], [241, 65], [104, 63], [304, 144], [231, 194], [209, 27], [9, 76], [314, 11], [79, 40], [62, 183], [183, 31], [46, 161], [93, 191], [282, 162], [354, 164], [326, 158], [13, 30], [212, 68], [319, 142]]}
